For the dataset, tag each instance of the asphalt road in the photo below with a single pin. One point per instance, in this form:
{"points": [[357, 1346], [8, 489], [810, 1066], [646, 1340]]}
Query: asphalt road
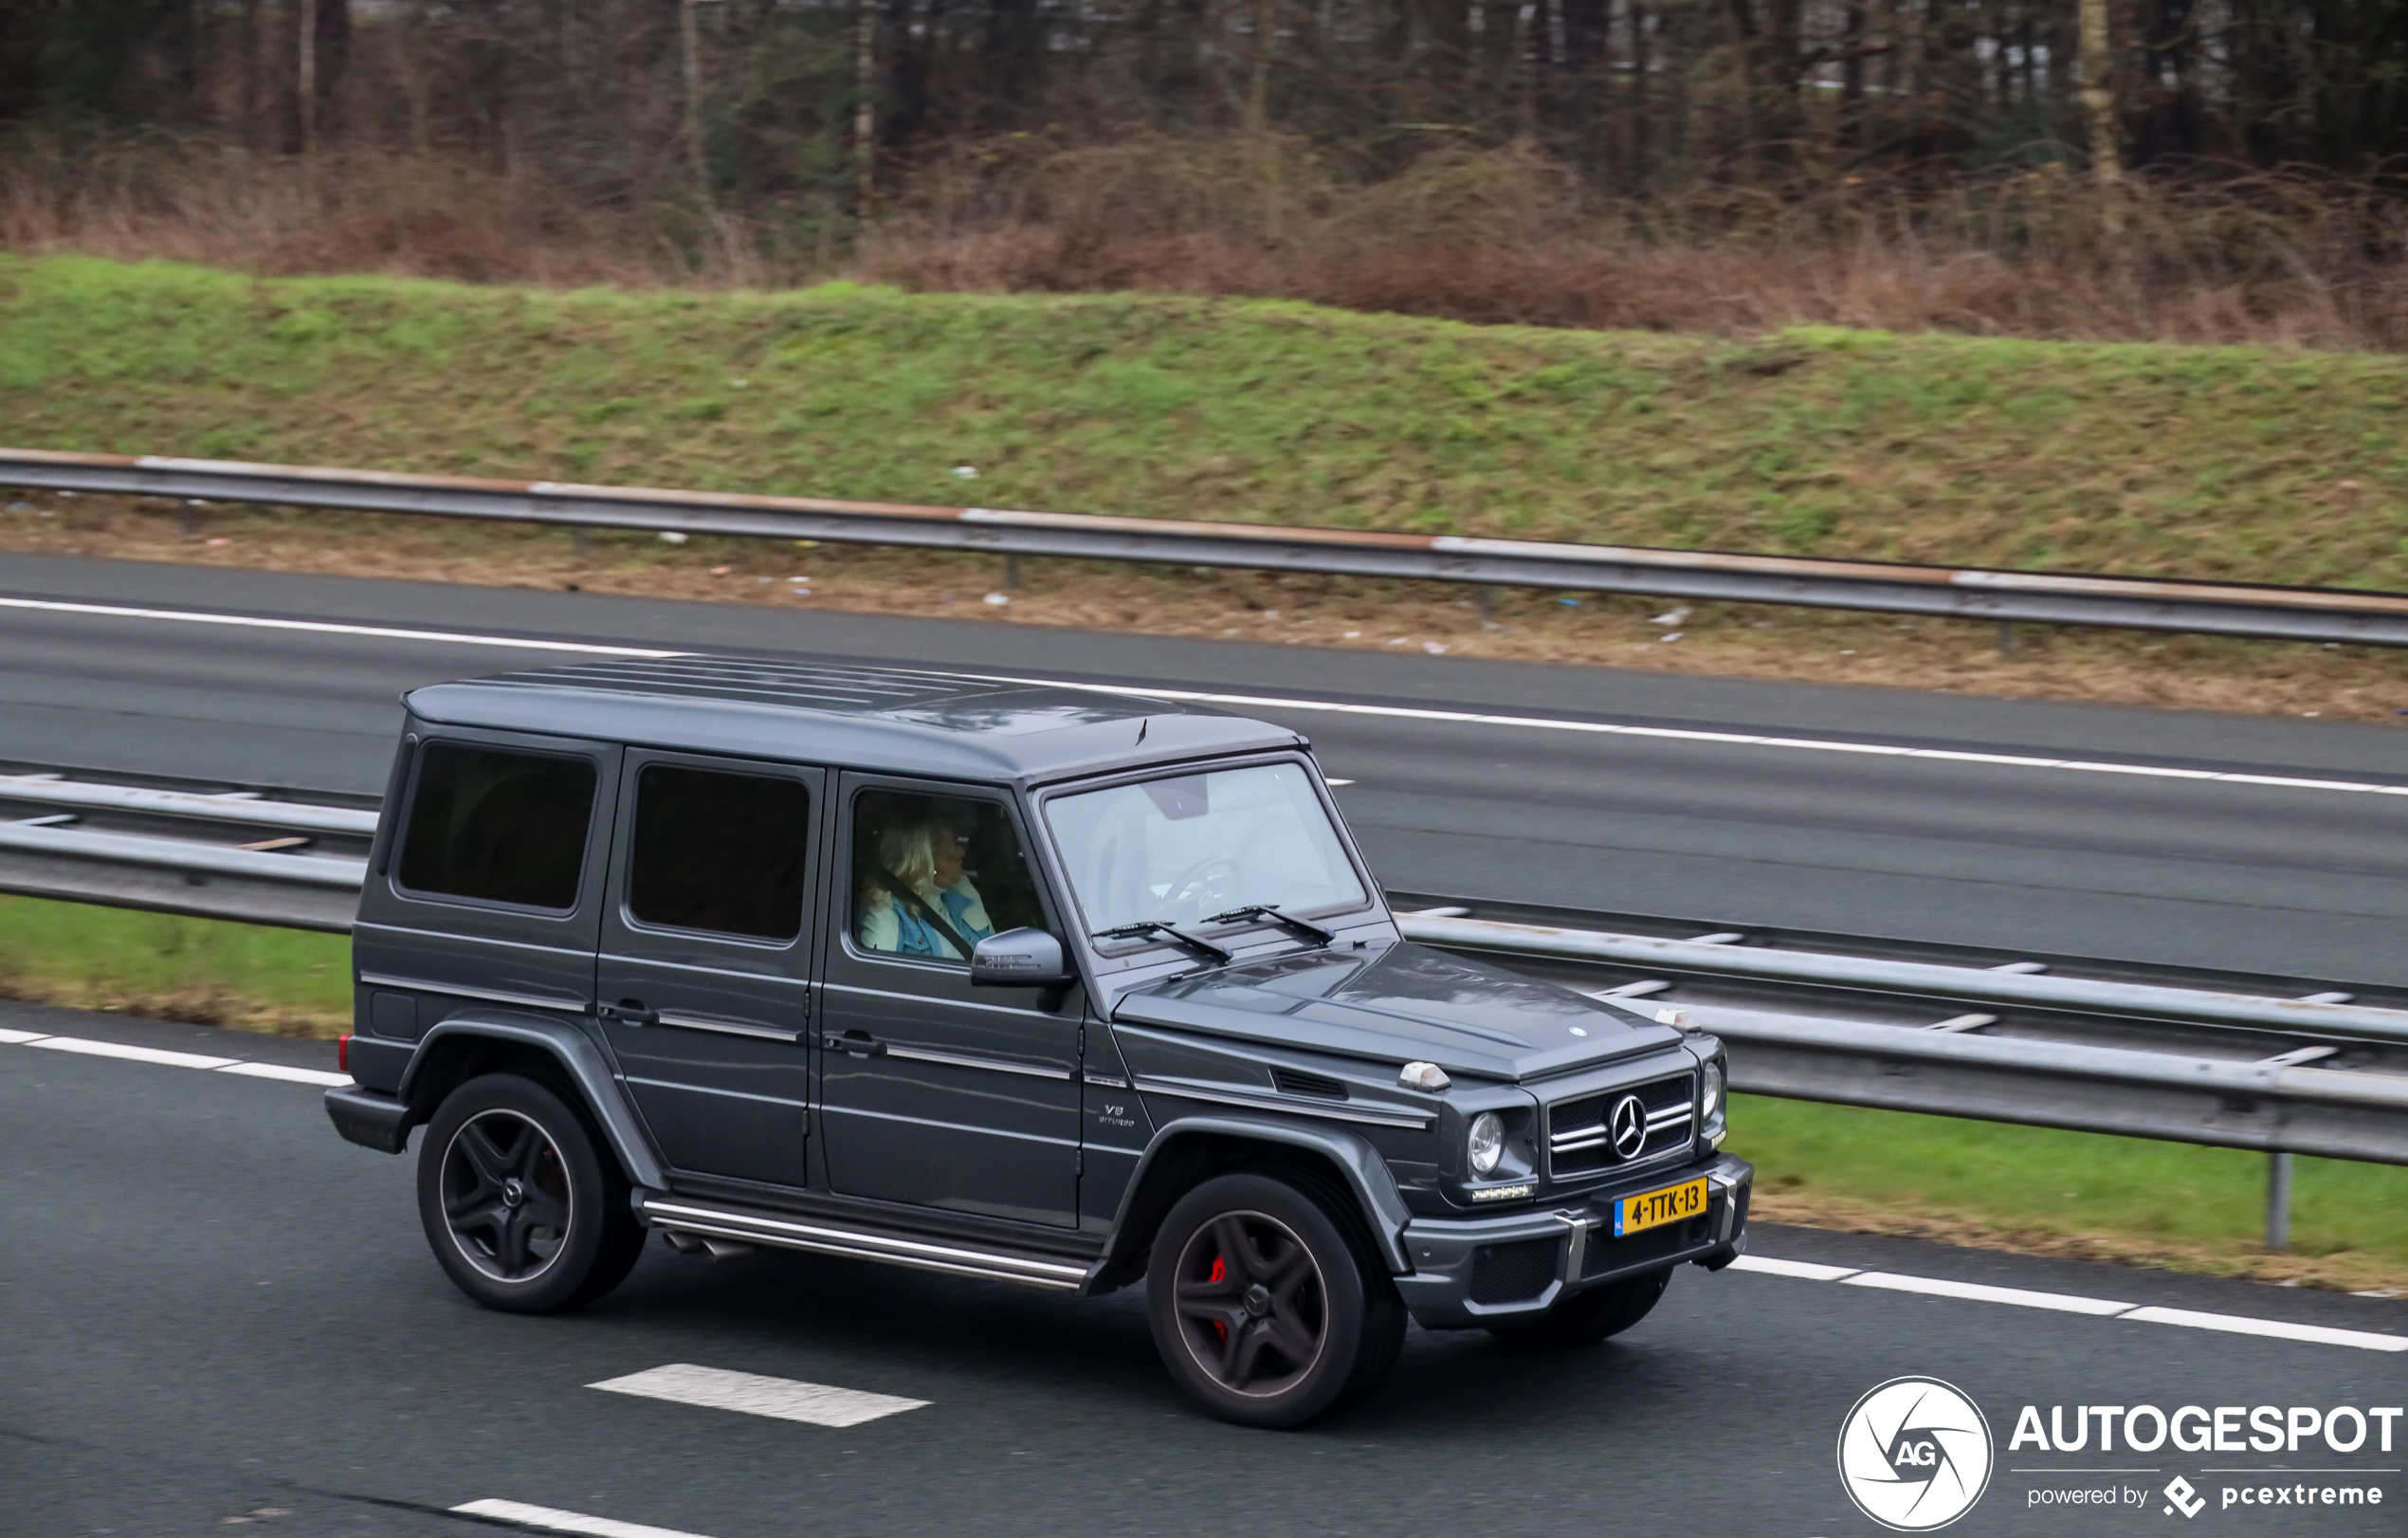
{"points": [[212, 1308], [2173, 872]]}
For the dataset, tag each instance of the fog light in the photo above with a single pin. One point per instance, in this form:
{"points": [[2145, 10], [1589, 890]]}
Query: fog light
{"points": [[1484, 1145]]}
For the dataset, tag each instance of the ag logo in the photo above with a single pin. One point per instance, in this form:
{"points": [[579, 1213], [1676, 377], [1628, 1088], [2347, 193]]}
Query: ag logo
{"points": [[1915, 1454]]}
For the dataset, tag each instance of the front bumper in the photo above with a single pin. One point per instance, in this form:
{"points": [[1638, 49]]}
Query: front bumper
{"points": [[1479, 1271]]}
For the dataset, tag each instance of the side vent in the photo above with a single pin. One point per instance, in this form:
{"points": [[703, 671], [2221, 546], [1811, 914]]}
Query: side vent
{"points": [[1295, 1082]]}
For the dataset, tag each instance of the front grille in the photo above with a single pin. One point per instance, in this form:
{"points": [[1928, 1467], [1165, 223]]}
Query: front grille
{"points": [[1580, 1133], [1512, 1272]]}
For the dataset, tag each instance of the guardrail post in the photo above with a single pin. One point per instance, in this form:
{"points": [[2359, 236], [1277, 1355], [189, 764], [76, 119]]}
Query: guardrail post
{"points": [[2278, 1201]]}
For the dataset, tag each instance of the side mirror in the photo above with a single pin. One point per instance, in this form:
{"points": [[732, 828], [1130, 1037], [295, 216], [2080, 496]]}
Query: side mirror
{"points": [[1020, 958]]}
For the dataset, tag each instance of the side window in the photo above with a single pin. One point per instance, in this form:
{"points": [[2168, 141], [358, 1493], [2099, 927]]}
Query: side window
{"points": [[718, 851], [497, 825], [933, 875]]}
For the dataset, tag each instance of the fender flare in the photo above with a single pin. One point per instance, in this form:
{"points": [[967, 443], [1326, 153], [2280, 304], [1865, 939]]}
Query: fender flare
{"points": [[578, 1056], [1381, 1204]]}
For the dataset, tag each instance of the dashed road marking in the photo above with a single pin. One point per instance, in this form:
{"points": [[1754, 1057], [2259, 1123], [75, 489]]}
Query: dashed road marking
{"points": [[781, 1399], [1808, 1271], [552, 1520], [86, 1047]]}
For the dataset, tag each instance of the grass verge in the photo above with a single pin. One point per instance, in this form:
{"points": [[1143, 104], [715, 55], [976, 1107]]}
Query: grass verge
{"points": [[210, 972], [2272, 466], [1825, 1167], [2076, 1194]]}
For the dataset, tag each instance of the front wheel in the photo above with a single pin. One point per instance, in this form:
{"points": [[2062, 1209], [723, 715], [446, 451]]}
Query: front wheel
{"points": [[1263, 1311], [525, 1213], [1586, 1318]]}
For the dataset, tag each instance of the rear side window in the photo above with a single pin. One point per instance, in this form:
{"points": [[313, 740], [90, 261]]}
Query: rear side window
{"points": [[499, 826], [718, 851]]}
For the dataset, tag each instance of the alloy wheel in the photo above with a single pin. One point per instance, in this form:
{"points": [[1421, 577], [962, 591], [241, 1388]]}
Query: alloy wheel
{"points": [[1252, 1308], [506, 1196]]}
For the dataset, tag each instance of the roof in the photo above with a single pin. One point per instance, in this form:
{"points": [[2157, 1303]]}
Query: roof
{"points": [[898, 720]]}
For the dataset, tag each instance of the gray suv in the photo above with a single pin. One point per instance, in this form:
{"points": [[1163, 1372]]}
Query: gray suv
{"points": [[1020, 982]]}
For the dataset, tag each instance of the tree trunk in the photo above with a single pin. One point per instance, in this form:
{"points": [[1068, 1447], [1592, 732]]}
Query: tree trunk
{"points": [[865, 108], [2098, 94], [689, 36]]}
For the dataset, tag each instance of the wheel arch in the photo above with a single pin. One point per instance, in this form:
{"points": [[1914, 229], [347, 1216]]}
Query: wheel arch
{"points": [[463, 1046], [1195, 1148]]}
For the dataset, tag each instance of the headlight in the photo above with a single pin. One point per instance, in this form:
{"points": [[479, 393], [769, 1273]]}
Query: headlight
{"points": [[1712, 1106], [1485, 1144]]}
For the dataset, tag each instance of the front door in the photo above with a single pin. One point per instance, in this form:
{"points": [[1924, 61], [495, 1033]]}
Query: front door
{"points": [[704, 968], [934, 1092]]}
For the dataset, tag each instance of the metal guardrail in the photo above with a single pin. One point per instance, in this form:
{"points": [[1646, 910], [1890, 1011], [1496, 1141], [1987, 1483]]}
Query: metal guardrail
{"points": [[2320, 1075], [2236, 609]]}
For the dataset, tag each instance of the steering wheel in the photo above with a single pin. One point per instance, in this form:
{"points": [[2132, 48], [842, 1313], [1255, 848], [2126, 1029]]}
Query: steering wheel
{"points": [[1198, 879]]}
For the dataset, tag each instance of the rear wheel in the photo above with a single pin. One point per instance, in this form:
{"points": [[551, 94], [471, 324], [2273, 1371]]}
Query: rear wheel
{"points": [[524, 1212], [1586, 1318], [1264, 1311]]}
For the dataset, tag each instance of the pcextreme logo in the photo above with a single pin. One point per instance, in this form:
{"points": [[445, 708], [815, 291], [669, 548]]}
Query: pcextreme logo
{"points": [[1915, 1454]]}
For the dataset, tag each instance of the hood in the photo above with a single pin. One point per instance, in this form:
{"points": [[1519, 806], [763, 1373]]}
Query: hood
{"points": [[1405, 1002]]}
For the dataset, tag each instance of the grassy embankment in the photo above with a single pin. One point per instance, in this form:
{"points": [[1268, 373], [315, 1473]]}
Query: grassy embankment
{"points": [[2226, 462], [2282, 466], [1824, 1165], [2201, 461]]}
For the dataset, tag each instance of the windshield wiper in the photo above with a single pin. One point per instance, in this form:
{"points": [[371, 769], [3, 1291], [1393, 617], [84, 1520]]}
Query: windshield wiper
{"points": [[1151, 927], [1270, 911]]}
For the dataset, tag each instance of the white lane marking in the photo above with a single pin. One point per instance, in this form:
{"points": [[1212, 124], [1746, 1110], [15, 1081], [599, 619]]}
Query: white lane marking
{"points": [[781, 1399], [1608, 728], [289, 1075], [1979, 1292], [557, 1521], [1394, 712], [2070, 1303], [382, 632], [159, 1055], [132, 1055], [2238, 1324], [1805, 1271]]}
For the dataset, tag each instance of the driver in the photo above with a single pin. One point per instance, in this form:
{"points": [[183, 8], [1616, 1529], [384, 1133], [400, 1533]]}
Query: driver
{"points": [[926, 859]]}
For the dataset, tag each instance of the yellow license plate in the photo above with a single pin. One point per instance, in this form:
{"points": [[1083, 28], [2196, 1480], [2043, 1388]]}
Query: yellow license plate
{"points": [[1652, 1209]]}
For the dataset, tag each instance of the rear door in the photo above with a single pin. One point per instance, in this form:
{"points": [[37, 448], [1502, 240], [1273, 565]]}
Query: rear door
{"points": [[704, 967], [934, 1092], [489, 891]]}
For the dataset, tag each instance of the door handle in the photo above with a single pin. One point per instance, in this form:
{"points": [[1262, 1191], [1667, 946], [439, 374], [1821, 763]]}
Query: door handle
{"points": [[629, 1011], [855, 1044]]}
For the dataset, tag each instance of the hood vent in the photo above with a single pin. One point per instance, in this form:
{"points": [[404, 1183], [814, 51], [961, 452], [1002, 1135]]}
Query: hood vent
{"points": [[1295, 1082]]}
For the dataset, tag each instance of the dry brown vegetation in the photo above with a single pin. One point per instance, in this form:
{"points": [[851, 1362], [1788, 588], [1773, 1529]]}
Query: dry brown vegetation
{"points": [[1508, 234], [2185, 672]]}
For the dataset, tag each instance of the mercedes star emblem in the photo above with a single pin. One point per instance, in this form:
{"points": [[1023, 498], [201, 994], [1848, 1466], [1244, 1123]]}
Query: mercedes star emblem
{"points": [[1629, 1126]]}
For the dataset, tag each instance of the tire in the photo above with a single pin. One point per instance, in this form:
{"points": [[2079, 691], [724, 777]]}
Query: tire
{"points": [[524, 1212], [1267, 1306], [1586, 1318]]}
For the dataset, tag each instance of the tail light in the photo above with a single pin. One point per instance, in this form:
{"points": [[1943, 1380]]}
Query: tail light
{"points": [[342, 1052]]}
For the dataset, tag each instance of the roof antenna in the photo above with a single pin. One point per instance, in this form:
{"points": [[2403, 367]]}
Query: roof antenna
{"points": [[1142, 723]]}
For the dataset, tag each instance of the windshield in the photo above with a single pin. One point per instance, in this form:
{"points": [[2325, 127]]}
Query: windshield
{"points": [[1175, 850]]}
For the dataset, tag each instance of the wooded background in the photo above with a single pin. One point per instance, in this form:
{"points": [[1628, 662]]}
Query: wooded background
{"points": [[2201, 170], [617, 96]]}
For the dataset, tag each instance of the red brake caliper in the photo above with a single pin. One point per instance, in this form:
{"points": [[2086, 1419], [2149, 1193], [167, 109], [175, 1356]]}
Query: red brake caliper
{"points": [[1220, 1274]]}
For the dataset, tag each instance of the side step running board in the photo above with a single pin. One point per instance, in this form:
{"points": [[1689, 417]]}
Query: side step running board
{"points": [[676, 1216]]}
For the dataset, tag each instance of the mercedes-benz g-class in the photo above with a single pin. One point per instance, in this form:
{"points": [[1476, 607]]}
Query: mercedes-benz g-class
{"points": [[1032, 983]]}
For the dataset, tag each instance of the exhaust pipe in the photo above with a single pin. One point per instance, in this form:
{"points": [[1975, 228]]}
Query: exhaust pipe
{"points": [[706, 1246]]}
